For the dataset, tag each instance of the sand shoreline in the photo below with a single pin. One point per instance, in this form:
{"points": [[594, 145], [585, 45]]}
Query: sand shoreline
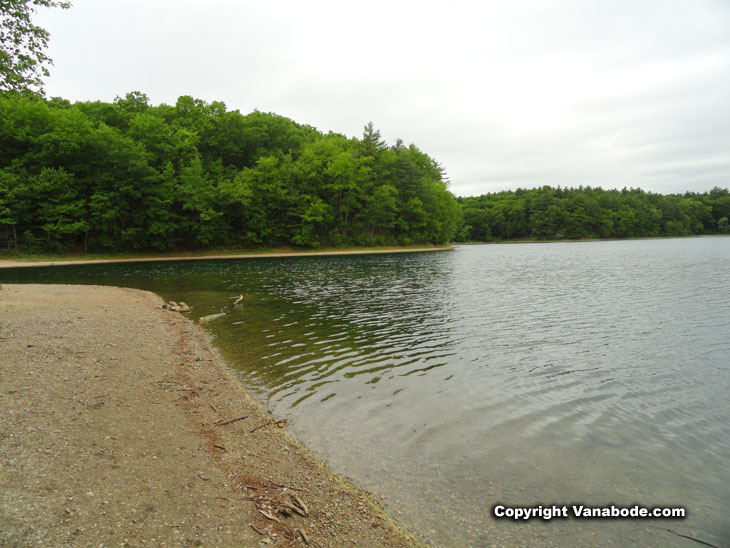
{"points": [[121, 425], [11, 263]]}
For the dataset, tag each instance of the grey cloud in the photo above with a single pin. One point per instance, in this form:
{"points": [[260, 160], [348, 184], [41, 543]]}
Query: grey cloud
{"points": [[565, 92]]}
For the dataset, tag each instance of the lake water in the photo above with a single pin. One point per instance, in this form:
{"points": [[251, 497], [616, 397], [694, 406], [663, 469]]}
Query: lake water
{"points": [[595, 373]]}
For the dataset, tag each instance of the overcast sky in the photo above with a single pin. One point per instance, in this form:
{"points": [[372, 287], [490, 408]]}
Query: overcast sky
{"points": [[504, 94]]}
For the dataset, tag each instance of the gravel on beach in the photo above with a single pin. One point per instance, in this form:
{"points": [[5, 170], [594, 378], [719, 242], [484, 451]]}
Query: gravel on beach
{"points": [[120, 425]]}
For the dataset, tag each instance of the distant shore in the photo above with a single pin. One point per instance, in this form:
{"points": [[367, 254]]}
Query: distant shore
{"points": [[580, 240], [46, 260]]}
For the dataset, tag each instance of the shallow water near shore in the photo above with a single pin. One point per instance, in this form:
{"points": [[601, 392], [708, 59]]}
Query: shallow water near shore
{"points": [[570, 373]]}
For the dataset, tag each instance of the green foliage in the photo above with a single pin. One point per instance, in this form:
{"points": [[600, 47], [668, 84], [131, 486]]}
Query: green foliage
{"points": [[107, 177], [23, 61], [722, 224], [585, 212]]}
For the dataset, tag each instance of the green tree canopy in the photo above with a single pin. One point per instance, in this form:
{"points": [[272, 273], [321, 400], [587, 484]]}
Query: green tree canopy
{"points": [[23, 60], [102, 176], [585, 212]]}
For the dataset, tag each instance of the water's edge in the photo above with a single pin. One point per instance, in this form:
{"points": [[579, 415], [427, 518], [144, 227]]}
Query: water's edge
{"points": [[61, 261]]}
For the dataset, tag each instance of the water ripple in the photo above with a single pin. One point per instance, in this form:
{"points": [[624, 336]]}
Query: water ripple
{"points": [[592, 372]]}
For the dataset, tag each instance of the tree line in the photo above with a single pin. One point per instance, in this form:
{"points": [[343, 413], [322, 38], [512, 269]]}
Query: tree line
{"points": [[129, 176], [100, 176], [585, 212]]}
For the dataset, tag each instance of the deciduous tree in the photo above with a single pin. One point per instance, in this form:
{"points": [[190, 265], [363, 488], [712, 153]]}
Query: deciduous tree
{"points": [[23, 44]]}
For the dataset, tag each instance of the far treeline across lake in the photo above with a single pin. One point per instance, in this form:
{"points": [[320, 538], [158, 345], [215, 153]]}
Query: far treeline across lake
{"points": [[129, 176]]}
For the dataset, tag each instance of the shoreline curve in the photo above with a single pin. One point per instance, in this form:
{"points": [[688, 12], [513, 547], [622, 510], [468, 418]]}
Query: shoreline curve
{"points": [[12, 263], [120, 421]]}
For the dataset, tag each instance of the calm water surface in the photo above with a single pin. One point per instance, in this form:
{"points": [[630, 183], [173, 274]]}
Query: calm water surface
{"points": [[593, 373]]}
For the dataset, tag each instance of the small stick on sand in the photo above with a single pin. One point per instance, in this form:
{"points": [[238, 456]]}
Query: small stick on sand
{"points": [[259, 531], [284, 486], [302, 534], [293, 508], [301, 504], [230, 421], [269, 516], [260, 427]]}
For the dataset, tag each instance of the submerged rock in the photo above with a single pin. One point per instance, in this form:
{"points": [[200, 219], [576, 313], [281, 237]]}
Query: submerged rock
{"points": [[176, 307]]}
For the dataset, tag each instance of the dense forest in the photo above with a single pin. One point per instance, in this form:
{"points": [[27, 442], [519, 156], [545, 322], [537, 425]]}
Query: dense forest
{"points": [[129, 176], [98, 176], [585, 212]]}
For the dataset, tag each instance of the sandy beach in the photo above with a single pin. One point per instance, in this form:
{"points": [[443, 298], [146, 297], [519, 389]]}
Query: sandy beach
{"points": [[120, 425], [11, 263]]}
